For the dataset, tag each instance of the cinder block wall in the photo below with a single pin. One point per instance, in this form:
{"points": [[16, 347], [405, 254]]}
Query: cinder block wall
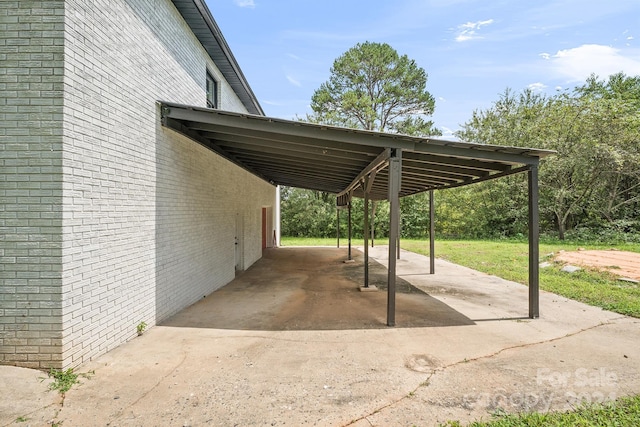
{"points": [[148, 217], [31, 74]]}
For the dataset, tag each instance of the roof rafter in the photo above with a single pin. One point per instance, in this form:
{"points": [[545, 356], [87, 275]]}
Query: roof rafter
{"points": [[336, 160]]}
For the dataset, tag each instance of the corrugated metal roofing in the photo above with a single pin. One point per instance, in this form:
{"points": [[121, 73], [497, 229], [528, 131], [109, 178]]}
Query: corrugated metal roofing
{"points": [[334, 159]]}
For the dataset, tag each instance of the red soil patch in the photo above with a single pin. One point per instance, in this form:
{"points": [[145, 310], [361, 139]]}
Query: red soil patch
{"points": [[620, 263]]}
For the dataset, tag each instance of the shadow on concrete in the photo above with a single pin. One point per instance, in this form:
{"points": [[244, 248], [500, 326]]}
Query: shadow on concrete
{"points": [[313, 289]]}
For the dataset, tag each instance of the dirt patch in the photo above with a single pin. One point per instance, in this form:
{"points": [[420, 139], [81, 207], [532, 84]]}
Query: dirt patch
{"points": [[620, 263]]}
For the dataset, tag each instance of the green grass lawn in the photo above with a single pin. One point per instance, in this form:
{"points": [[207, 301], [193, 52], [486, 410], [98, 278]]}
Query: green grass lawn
{"points": [[509, 260], [623, 412], [321, 241]]}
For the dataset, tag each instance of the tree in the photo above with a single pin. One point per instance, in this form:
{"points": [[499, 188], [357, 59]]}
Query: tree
{"points": [[594, 178], [618, 101], [618, 86], [307, 213], [372, 87]]}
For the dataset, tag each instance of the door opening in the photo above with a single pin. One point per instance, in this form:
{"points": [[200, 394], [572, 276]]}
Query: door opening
{"points": [[264, 228], [238, 241]]}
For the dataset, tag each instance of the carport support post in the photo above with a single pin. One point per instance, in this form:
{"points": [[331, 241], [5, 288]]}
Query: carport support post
{"points": [[432, 231], [395, 173], [366, 232], [349, 219], [373, 220], [534, 240], [338, 227]]}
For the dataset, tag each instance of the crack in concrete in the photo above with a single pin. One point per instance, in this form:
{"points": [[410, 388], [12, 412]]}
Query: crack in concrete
{"points": [[488, 356], [426, 382], [56, 408], [121, 412], [303, 341]]}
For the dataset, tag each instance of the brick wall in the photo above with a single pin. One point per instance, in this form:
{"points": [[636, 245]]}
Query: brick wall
{"points": [[148, 217], [31, 64]]}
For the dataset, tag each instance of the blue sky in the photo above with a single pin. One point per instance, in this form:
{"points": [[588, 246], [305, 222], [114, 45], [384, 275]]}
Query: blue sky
{"points": [[472, 50]]}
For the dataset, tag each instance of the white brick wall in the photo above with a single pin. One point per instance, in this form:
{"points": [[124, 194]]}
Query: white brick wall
{"points": [[148, 218], [31, 64]]}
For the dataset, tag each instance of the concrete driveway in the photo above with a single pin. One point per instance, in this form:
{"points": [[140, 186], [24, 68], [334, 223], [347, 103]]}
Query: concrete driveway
{"points": [[293, 342]]}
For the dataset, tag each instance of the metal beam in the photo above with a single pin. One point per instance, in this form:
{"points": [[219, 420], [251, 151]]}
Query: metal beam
{"points": [[451, 171], [395, 175], [456, 162], [372, 179], [303, 130], [306, 181], [534, 241], [343, 200], [377, 163], [475, 151], [268, 152], [486, 178], [302, 164], [256, 141], [422, 176]]}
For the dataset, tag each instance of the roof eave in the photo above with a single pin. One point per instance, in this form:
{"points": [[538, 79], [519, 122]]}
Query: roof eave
{"points": [[206, 30]]}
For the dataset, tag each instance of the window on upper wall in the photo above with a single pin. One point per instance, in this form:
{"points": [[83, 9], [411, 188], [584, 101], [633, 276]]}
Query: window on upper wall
{"points": [[212, 91]]}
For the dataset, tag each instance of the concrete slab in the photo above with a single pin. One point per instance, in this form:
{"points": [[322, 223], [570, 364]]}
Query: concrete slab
{"points": [[292, 341]]}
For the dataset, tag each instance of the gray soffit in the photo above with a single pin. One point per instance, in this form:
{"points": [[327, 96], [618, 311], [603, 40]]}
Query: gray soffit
{"points": [[197, 15], [336, 160]]}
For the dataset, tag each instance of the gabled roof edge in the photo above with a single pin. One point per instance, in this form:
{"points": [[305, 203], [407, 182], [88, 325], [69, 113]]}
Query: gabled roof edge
{"points": [[230, 69]]}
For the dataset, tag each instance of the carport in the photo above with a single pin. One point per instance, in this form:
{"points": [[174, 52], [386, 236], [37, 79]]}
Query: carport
{"points": [[357, 163]]}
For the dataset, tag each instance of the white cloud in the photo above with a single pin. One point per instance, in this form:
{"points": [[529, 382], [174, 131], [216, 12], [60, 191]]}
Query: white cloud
{"points": [[246, 3], [630, 38], [441, 99], [537, 87], [545, 55], [469, 30], [447, 133], [293, 81], [578, 63]]}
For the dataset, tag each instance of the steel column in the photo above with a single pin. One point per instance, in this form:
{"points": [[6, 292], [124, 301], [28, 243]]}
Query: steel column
{"points": [[432, 231], [366, 232], [338, 227], [349, 234], [373, 220], [395, 174], [534, 241]]}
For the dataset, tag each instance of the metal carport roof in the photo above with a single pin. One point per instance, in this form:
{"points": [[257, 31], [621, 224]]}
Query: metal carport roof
{"points": [[357, 163], [335, 160]]}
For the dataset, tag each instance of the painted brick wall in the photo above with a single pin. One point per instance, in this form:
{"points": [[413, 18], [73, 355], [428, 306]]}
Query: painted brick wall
{"points": [[149, 217], [31, 65]]}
